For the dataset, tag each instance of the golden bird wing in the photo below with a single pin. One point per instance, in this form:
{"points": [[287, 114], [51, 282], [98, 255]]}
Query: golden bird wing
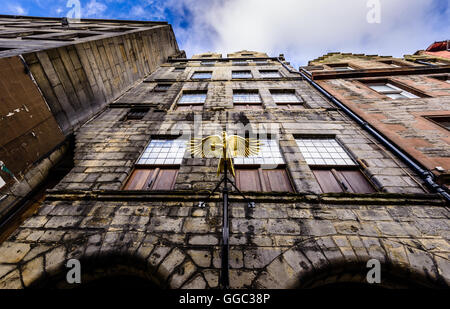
{"points": [[238, 146], [208, 147]]}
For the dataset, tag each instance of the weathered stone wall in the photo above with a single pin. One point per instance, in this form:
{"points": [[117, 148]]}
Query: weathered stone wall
{"points": [[79, 80], [289, 240], [61, 84]]}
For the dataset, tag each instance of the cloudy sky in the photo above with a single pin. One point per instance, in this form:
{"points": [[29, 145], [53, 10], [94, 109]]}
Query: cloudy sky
{"points": [[300, 29]]}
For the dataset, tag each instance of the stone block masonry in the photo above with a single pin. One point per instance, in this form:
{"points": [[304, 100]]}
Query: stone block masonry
{"points": [[305, 238]]}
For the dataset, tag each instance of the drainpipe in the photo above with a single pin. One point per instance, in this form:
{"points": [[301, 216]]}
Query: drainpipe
{"points": [[424, 174]]}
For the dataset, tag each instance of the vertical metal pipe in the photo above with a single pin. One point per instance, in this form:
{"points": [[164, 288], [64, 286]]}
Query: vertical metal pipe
{"points": [[225, 233]]}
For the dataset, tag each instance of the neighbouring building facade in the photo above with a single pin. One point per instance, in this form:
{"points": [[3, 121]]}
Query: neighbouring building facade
{"points": [[328, 196], [53, 78], [407, 100]]}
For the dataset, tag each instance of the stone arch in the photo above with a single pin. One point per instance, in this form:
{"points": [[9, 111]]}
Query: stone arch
{"points": [[158, 263], [326, 261]]}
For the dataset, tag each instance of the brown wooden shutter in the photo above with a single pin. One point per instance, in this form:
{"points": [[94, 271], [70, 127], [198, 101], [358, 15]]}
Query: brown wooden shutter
{"points": [[165, 179], [327, 181], [343, 181], [276, 180], [356, 181], [248, 180], [139, 179], [152, 179], [261, 180]]}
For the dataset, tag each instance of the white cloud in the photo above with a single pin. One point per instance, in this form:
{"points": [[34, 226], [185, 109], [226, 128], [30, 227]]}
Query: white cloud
{"points": [[93, 9], [15, 9], [304, 30], [137, 11]]}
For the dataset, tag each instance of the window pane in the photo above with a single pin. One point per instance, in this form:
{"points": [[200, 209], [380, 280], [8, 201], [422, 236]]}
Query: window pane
{"points": [[443, 121], [381, 88], [192, 98], [241, 74], [323, 152], [285, 97], [396, 96], [343, 69], [161, 150], [392, 91], [162, 87], [409, 95], [246, 97], [202, 75], [269, 153]]}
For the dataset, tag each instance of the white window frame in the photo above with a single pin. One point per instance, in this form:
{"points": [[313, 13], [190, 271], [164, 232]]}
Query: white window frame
{"points": [[324, 152], [184, 98], [209, 73], [269, 154], [240, 95], [244, 74], [285, 97], [168, 152], [392, 93]]}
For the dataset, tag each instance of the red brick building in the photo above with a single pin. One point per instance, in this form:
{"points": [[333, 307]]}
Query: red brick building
{"points": [[407, 100]]}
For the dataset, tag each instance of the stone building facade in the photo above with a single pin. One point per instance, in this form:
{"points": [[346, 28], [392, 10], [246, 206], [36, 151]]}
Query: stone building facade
{"points": [[53, 78], [328, 196]]}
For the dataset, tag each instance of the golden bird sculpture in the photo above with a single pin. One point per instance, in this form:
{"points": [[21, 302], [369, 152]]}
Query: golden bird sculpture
{"points": [[224, 147]]}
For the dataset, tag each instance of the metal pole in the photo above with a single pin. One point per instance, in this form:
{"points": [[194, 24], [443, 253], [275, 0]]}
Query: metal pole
{"points": [[225, 234]]}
